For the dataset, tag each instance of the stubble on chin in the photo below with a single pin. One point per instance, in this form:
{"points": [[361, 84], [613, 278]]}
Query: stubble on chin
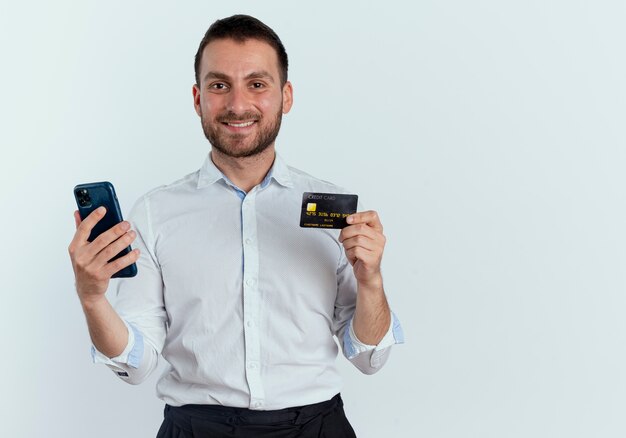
{"points": [[232, 145]]}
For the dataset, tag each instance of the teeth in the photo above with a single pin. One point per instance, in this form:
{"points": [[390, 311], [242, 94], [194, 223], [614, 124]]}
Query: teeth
{"points": [[241, 125]]}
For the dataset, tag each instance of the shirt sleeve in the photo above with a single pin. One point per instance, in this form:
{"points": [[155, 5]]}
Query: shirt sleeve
{"points": [[367, 358], [139, 302]]}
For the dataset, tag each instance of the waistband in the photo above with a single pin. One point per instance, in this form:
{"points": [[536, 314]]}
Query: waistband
{"points": [[182, 415]]}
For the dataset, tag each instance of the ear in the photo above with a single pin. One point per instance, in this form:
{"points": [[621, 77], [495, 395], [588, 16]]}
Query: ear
{"points": [[287, 97], [195, 91]]}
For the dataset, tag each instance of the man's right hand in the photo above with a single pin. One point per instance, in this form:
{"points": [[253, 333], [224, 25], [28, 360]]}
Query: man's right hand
{"points": [[90, 260]]}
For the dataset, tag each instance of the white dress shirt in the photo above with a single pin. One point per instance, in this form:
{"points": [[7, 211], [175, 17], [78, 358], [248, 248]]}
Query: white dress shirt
{"points": [[241, 302]]}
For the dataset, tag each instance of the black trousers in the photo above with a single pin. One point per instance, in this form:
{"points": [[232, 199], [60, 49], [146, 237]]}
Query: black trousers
{"points": [[326, 419]]}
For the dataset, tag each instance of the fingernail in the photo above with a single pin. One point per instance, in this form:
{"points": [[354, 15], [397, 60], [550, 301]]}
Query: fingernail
{"points": [[349, 219], [125, 226], [101, 209]]}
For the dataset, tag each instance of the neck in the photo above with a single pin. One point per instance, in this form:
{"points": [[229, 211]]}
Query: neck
{"points": [[245, 172]]}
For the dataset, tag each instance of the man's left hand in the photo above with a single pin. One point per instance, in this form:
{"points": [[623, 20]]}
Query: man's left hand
{"points": [[364, 242]]}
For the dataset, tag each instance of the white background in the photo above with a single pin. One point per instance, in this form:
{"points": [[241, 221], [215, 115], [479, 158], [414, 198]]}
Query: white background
{"points": [[489, 135]]}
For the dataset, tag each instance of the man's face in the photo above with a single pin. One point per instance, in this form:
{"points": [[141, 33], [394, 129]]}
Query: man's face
{"points": [[240, 99]]}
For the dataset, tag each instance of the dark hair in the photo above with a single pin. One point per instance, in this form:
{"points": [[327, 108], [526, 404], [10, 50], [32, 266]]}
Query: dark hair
{"points": [[241, 28]]}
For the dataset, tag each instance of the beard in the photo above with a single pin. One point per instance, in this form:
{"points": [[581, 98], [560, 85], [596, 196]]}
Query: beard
{"points": [[234, 145]]}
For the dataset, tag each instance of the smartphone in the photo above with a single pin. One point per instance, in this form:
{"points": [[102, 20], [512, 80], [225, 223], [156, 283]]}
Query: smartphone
{"points": [[93, 195]]}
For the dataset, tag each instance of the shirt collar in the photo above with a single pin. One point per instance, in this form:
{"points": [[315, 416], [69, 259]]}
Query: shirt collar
{"points": [[209, 173]]}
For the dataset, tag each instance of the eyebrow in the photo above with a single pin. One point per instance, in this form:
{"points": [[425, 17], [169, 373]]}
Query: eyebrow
{"points": [[261, 74]]}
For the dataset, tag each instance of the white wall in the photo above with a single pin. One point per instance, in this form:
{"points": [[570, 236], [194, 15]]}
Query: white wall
{"points": [[489, 135]]}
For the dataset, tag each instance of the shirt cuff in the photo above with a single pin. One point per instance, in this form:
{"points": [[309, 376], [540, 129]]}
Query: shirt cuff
{"points": [[132, 354], [353, 346]]}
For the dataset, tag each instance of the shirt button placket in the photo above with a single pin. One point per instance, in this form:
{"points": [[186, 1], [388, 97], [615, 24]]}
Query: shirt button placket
{"points": [[251, 300]]}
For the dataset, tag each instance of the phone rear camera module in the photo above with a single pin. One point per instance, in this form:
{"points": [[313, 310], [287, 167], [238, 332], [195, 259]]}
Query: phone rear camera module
{"points": [[82, 195]]}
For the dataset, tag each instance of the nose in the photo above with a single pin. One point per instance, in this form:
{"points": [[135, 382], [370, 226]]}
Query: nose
{"points": [[238, 101]]}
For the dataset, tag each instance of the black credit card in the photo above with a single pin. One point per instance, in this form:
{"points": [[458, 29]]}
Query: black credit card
{"points": [[327, 210]]}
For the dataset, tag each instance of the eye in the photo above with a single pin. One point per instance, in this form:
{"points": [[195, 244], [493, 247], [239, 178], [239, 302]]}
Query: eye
{"points": [[218, 86], [257, 85]]}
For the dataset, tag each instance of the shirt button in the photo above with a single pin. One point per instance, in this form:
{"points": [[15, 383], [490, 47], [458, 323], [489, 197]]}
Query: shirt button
{"points": [[248, 241], [250, 323], [252, 365], [257, 404], [250, 281]]}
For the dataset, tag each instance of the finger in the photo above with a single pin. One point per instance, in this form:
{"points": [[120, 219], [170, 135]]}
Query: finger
{"points": [[363, 242], [77, 219], [358, 253], [113, 249], [358, 229], [86, 225], [350, 256], [369, 217], [119, 264]]}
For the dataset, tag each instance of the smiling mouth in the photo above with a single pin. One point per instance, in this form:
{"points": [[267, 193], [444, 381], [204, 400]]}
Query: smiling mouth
{"points": [[240, 124]]}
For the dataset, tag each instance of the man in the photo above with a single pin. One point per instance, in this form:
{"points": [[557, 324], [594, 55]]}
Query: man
{"points": [[240, 300]]}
